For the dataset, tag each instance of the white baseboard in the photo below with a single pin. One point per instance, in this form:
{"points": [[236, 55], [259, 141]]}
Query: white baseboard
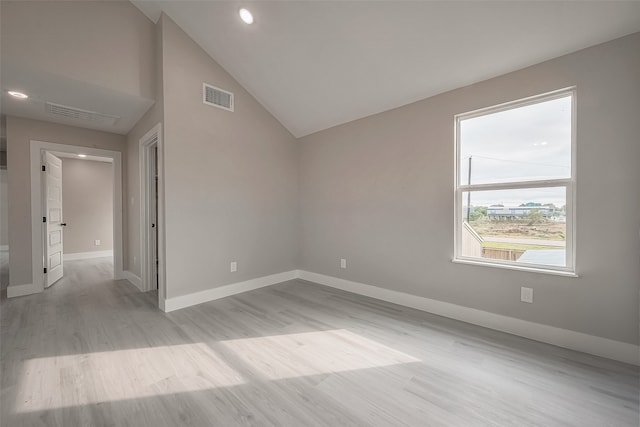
{"points": [[21, 290], [183, 301], [616, 350], [133, 279], [87, 255]]}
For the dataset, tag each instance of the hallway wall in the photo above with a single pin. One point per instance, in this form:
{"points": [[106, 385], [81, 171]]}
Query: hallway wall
{"points": [[87, 203]]}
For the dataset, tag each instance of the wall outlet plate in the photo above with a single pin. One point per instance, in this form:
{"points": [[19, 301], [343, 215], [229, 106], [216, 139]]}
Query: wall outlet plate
{"points": [[96, 242], [526, 295], [343, 263], [233, 267]]}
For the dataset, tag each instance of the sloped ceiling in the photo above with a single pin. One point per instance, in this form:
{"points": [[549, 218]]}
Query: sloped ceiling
{"points": [[318, 64]]}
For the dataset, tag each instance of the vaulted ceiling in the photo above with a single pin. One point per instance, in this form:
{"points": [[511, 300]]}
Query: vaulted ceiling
{"points": [[313, 64], [317, 64]]}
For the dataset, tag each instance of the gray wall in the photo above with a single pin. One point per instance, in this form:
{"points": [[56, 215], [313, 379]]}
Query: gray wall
{"points": [[379, 192], [4, 208], [19, 134], [132, 238], [87, 203], [4, 230], [154, 116], [230, 177]]}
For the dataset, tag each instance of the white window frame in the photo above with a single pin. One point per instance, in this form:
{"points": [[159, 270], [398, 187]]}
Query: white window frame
{"points": [[568, 183]]}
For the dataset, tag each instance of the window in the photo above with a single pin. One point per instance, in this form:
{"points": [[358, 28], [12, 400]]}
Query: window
{"points": [[515, 184]]}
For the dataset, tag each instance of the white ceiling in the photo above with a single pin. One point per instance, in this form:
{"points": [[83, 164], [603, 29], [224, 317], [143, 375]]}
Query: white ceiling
{"points": [[317, 64], [86, 157], [44, 87]]}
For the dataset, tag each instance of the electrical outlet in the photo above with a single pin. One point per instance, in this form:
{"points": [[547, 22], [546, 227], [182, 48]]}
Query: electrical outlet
{"points": [[343, 263], [97, 242], [526, 295], [233, 267]]}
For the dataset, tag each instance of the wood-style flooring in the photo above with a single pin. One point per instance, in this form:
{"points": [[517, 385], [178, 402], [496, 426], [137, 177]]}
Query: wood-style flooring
{"points": [[91, 351]]}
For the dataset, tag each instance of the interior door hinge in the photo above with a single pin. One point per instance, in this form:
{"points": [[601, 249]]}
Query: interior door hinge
{"points": [[44, 168], [44, 219], [45, 270]]}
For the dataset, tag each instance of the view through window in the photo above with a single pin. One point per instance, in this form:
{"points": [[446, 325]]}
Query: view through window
{"points": [[514, 192]]}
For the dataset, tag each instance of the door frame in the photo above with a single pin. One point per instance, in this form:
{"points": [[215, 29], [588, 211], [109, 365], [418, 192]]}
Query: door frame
{"points": [[37, 229], [152, 139]]}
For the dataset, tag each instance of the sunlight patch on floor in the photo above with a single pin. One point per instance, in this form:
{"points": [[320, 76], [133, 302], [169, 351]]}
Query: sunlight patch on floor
{"points": [[79, 379], [314, 353]]}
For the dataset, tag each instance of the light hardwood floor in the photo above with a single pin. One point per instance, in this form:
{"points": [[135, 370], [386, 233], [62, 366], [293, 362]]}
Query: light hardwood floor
{"points": [[93, 352]]}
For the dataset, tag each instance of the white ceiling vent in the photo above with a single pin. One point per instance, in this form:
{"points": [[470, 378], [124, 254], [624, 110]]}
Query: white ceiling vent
{"points": [[78, 114], [217, 97]]}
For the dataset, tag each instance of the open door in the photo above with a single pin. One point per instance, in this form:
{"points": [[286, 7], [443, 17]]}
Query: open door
{"points": [[53, 219]]}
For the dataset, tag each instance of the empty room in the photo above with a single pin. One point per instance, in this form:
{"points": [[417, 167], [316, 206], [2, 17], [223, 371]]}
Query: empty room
{"points": [[320, 213]]}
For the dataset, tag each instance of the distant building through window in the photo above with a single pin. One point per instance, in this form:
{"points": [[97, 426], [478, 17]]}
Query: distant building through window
{"points": [[515, 182]]}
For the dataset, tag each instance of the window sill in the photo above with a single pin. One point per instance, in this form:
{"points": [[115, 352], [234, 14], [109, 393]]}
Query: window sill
{"points": [[516, 267]]}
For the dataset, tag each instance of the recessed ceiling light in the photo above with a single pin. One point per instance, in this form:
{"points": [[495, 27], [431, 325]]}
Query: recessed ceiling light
{"points": [[19, 95], [82, 155], [246, 16]]}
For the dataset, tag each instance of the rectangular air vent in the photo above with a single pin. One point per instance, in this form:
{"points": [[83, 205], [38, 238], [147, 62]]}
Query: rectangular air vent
{"points": [[217, 97], [79, 114]]}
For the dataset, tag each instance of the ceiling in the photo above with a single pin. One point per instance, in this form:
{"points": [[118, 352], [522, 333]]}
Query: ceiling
{"points": [[317, 64], [44, 87], [86, 157]]}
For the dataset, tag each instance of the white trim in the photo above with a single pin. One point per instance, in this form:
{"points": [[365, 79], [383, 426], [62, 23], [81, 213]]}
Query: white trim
{"points": [[188, 300], [570, 268], [4, 248], [616, 350], [531, 268], [522, 102], [133, 279], [21, 290], [87, 255], [150, 139], [36, 148], [516, 185]]}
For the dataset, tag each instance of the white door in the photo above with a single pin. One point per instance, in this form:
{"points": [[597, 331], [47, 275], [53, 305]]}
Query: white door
{"points": [[53, 223]]}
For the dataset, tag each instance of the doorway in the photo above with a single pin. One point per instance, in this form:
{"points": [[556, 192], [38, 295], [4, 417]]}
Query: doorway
{"points": [[151, 213], [78, 209], [38, 229]]}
